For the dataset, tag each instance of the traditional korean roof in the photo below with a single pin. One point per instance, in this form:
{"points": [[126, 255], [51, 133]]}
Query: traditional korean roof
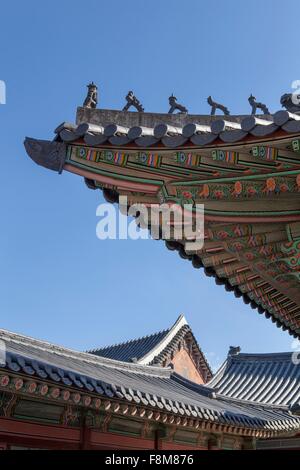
{"points": [[156, 348], [47, 371], [244, 169], [259, 378]]}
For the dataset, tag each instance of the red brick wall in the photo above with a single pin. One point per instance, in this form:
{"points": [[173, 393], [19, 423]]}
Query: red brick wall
{"points": [[185, 366]]}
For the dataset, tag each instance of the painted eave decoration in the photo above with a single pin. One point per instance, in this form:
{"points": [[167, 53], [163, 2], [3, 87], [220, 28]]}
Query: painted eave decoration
{"points": [[244, 169]]}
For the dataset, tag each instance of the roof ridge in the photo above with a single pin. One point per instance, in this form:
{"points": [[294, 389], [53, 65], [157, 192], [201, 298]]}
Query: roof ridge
{"points": [[51, 348], [260, 356]]}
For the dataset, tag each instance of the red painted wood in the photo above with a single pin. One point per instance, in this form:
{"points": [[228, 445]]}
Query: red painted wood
{"points": [[49, 436], [85, 437]]}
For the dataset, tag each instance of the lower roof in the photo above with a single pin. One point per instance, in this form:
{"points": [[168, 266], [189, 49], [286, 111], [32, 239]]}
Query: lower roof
{"points": [[150, 386]]}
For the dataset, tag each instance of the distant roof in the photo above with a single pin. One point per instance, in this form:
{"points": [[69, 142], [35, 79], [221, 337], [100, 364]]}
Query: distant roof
{"points": [[102, 126], [261, 378], [154, 387], [151, 349]]}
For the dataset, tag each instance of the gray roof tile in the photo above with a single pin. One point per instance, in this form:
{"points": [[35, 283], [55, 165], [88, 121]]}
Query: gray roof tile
{"points": [[261, 378], [145, 129], [134, 349]]}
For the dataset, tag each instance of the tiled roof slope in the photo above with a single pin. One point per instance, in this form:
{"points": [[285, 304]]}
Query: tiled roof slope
{"points": [[133, 350], [153, 349], [245, 169], [261, 378], [153, 387]]}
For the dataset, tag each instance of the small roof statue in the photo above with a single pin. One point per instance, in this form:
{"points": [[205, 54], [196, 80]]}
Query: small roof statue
{"points": [[133, 101], [91, 99], [176, 106]]}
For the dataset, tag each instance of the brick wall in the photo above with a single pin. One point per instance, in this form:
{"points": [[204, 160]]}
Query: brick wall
{"points": [[185, 366]]}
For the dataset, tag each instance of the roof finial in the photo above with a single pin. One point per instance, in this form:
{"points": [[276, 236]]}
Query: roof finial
{"points": [[234, 350]]}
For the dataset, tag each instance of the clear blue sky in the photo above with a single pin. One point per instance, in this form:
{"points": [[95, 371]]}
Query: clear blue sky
{"points": [[58, 281]]}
